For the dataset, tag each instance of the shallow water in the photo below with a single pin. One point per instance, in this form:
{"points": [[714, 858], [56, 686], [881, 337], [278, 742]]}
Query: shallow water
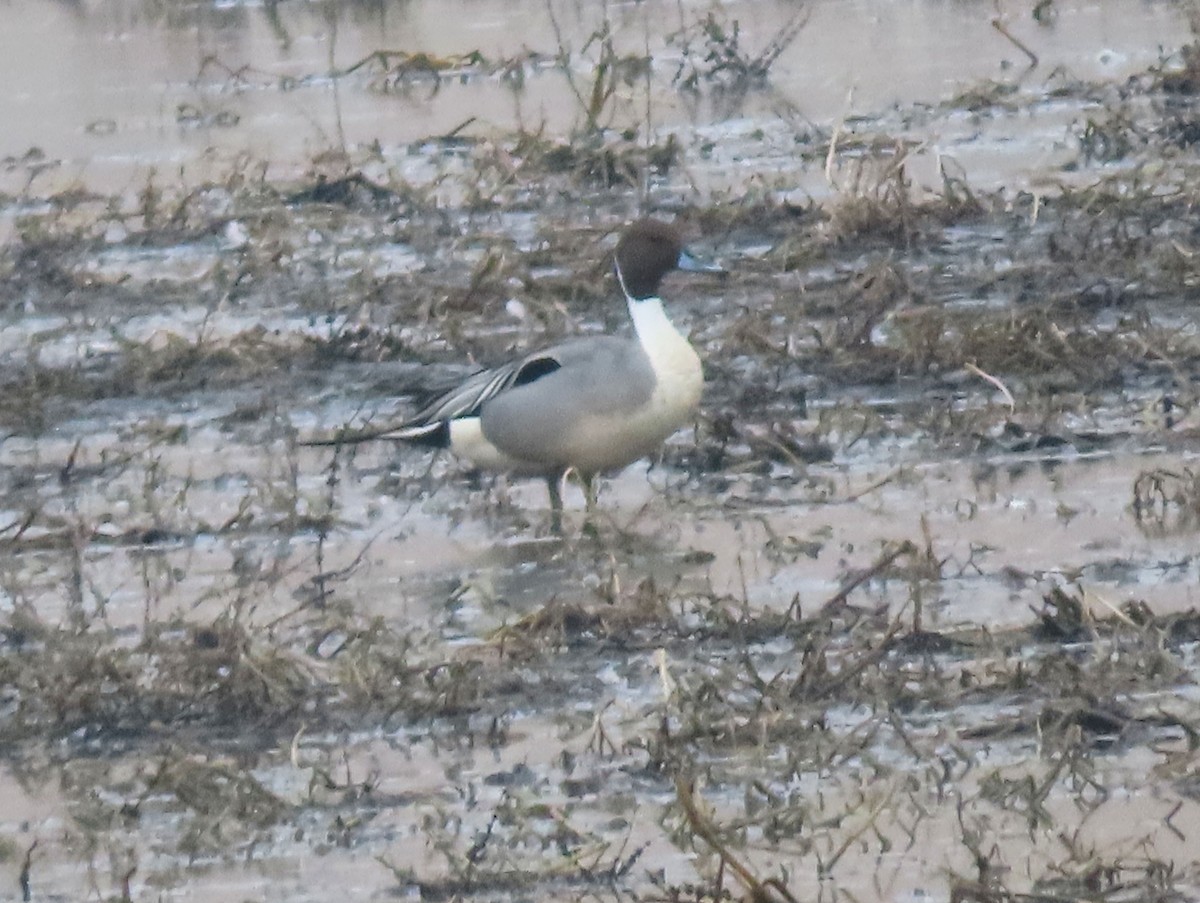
{"points": [[109, 91], [160, 491]]}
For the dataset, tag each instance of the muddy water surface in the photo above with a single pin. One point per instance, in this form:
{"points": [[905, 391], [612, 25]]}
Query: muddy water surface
{"points": [[107, 91], [907, 614]]}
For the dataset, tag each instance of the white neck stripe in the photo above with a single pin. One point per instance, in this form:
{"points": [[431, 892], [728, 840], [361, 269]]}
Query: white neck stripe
{"points": [[621, 279]]}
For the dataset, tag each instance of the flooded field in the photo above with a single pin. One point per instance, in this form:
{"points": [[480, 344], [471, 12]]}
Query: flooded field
{"points": [[910, 613]]}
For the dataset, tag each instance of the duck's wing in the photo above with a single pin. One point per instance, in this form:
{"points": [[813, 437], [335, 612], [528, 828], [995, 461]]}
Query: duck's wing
{"points": [[585, 368], [467, 398], [593, 408]]}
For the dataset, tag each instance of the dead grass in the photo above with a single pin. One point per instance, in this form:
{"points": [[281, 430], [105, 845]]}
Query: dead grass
{"points": [[814, 742]]}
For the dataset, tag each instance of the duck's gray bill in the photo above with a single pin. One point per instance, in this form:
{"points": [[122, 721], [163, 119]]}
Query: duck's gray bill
{"points": [[688, 262]]}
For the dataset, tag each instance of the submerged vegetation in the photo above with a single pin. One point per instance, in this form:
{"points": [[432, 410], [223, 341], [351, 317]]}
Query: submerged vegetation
{"points": [[810, 660]]}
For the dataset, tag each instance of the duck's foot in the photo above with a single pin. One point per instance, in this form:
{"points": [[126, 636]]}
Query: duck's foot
{"points": [[588, 483]]}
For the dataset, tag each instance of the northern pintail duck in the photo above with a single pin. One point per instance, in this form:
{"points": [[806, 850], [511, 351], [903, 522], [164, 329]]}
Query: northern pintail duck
{"points": [[590, 405]]}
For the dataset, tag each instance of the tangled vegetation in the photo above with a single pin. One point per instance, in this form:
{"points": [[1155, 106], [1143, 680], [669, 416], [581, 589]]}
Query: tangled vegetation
{"points": [[221, 646]]}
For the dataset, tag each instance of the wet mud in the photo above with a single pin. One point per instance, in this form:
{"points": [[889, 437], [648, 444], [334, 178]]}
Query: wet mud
{"points": [[910, 612]]}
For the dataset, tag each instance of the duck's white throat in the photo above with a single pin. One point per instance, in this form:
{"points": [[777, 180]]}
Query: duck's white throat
{"points": [[676, 364]]}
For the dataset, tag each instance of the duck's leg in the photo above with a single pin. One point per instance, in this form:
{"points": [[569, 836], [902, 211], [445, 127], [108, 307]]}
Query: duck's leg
{"points": [[588, 481], [554, 484], [589, 492]]}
